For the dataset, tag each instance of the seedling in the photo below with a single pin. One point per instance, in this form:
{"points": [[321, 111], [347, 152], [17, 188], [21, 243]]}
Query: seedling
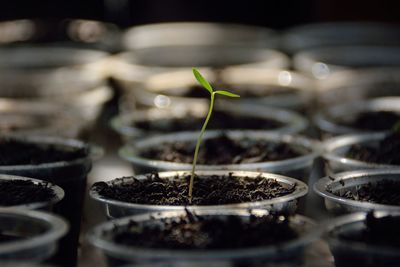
{"points": [[203, 82]]}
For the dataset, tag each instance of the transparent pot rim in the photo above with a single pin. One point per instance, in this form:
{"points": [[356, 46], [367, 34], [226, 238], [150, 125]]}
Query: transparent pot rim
{"points": [[130, 152], [58, 191], [57, 227], [291, 121], [331, 145], [110, 248], [320, 187], [332, 224], [324, 122], [300, 190], [94, 152]]}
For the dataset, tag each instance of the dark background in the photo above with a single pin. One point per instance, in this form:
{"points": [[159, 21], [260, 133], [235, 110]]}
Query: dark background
{"points": [[276, 14]]}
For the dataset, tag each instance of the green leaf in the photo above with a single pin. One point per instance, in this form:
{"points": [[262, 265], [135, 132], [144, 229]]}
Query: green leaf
{"points": [[202, 80], [226, 93]]}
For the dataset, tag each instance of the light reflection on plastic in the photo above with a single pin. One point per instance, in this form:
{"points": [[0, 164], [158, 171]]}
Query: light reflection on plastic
{"points": [[14, 31], [284, 78], [320, 70], [162, 101]]}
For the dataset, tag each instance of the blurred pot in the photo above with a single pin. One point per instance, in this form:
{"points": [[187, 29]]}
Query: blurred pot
{"points": [[127, 124], [198, 33], [118, 255], [70, 175], [298, 167], [320, 63], [356, 253], [29, 235], [276, 88], [308, 36], [332, 120]]}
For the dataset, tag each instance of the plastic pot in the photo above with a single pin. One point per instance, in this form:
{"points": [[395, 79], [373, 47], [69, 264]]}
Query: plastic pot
{"points": [[315, 35], [330, 121], [124, 124], [71, 176], [197, 33], [118, 255], [48, 205], [287, 203], [29, 235], [350, 181], [24, 117], [356, 85], [276, 88], [335, 151], [351, 253], [62, 32], [320, 63], [132, 68], [298, 167]]}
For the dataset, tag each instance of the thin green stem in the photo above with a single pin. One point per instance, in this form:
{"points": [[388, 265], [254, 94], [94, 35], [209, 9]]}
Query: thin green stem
{"points": [[196, 151]]}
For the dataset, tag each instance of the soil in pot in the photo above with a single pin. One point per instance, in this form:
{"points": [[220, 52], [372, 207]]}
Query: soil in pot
{"points": [[16, 152], [208, 190], [219, 120], [222, 150], [373, 120], [193, 232], [384, 192], [19, 192], [245, 91], [385, 152], [383, 232]]}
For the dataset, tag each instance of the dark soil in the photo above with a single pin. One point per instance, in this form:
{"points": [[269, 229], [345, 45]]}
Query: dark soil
{"points": [[219, 120], [383, 192], [9, 238], [19, 192], [208, 190], [245, 91], [374, 121], [195, 232], [222, 150], [384, 231], [15, 152], [385, 152]]}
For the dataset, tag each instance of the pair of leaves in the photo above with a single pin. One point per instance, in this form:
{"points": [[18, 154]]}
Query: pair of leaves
{"points": [[208, 86]]}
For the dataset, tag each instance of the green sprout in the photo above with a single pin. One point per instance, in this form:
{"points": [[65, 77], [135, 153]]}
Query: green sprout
{"points": [[203, 82]]}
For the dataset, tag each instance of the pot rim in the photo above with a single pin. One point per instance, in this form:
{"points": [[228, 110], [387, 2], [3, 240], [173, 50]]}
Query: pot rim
{"points": [[329, 124], [94, 152], [334, 223], [58, 227], [330, 145], [58, 191], [126, 252], [320, 187], [300, 191], [130, 152], [291, 121]]}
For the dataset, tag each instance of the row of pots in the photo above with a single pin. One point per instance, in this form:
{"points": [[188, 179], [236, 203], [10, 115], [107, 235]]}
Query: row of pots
{"points": [[35, 235]]}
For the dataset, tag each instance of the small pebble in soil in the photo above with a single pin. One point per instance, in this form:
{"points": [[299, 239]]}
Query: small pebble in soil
{"points": [[19, 192], [208, 190], [222, 150], [200, 232]]}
